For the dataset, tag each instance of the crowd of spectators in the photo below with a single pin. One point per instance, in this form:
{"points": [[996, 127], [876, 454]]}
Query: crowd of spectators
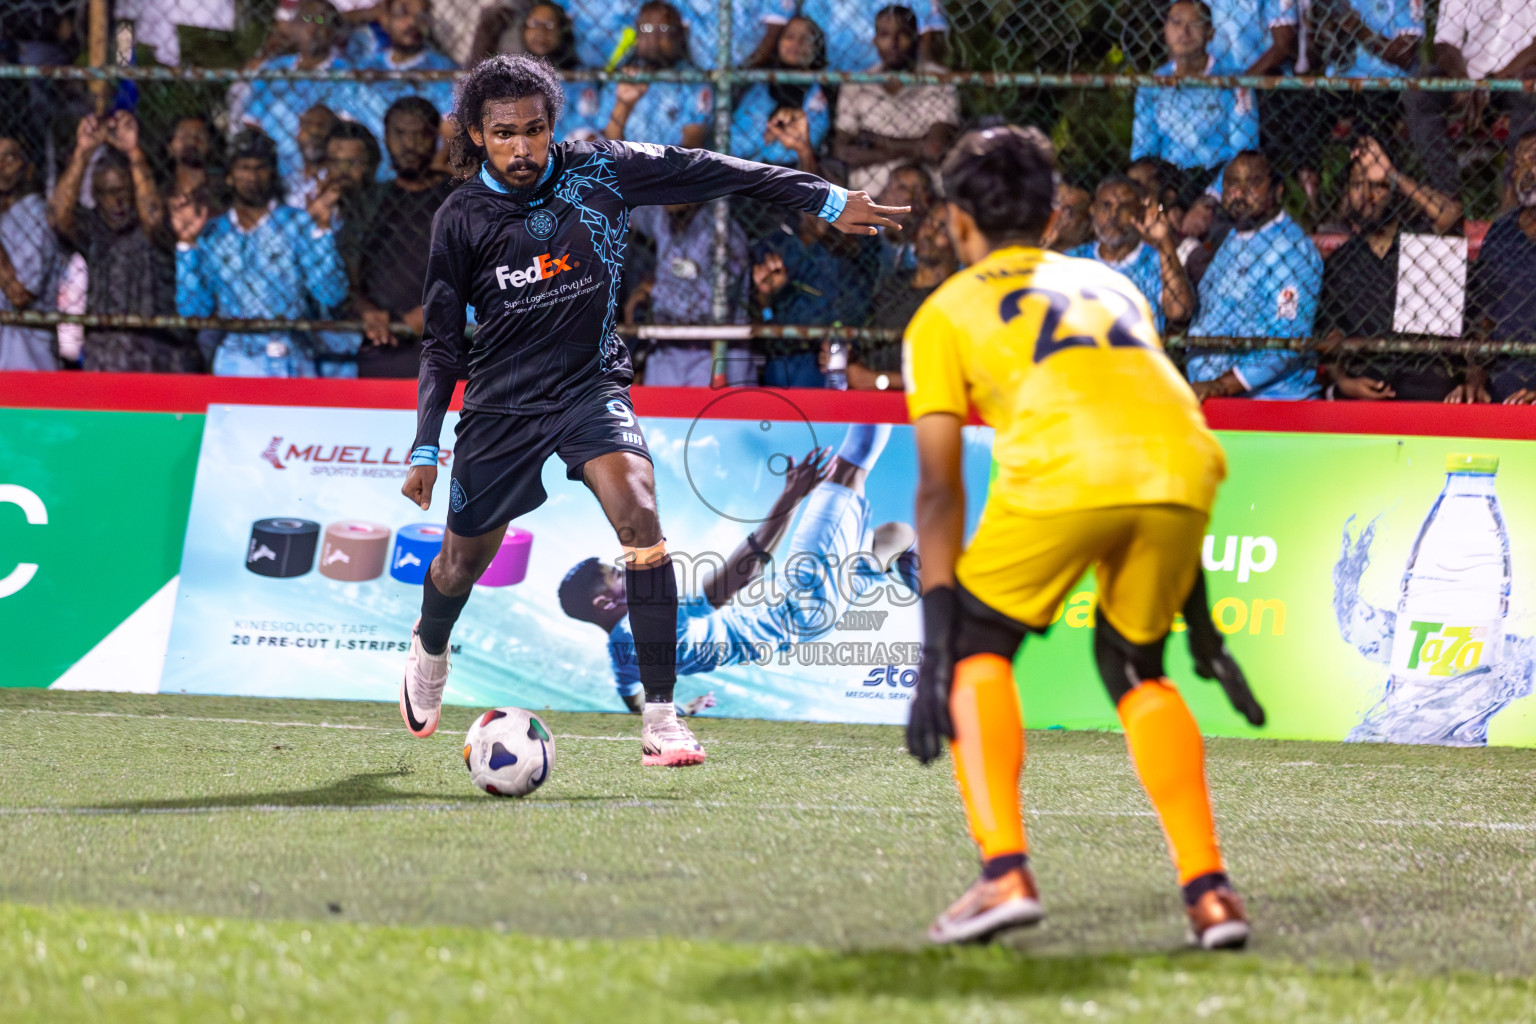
{"points": [[312, 198]]}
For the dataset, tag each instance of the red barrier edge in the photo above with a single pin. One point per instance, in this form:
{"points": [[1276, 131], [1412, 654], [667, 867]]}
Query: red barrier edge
{"points": [[134, 392]]}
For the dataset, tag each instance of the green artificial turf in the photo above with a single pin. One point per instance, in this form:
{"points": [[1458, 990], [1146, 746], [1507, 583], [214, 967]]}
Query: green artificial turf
{"points": [[163, 858]]}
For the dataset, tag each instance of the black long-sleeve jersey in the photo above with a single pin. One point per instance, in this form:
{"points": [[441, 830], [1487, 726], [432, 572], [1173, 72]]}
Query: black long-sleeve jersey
{"points": [[542, 270]]}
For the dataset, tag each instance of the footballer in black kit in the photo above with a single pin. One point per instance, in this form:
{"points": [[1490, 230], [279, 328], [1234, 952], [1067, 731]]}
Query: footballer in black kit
{"points": [[534, 242]]}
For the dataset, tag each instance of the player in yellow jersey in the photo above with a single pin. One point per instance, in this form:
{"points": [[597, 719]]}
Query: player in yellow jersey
{"points": [[1104, 461]]}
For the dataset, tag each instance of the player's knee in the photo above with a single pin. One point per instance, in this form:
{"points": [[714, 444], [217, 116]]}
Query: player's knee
{"points": [[1124, 665], [455, 572], [638, 525]]}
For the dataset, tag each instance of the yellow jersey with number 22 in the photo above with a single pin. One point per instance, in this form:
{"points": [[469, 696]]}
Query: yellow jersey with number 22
{"points": [[1060, 356]]}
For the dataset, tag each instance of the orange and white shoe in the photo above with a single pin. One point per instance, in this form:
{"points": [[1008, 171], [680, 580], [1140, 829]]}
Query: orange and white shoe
{"points": [[990, 906], [665, 740], [1218, 920], [421, 689]]}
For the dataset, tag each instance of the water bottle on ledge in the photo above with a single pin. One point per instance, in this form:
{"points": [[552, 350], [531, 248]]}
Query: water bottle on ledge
{"points": [[837, 365]]}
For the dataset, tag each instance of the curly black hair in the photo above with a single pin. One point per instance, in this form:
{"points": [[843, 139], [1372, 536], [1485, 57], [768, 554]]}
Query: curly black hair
{"points": [[506, 76], [1005, 178]]}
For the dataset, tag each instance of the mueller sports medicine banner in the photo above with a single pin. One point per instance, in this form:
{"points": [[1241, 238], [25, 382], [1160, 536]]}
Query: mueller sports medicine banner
{"points": [[1371, 592], [303, 567]]}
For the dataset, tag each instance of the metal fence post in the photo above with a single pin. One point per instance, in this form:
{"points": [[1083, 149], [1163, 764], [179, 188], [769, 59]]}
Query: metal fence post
{"points": [[720, 300]]}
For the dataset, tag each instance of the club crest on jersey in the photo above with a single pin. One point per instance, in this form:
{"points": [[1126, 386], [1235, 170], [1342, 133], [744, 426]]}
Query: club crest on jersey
{"points": [[541, 224], [541, 269]]}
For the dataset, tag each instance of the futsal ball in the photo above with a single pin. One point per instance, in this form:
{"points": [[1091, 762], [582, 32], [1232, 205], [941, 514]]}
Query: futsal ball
{"points": [[509, 752]]}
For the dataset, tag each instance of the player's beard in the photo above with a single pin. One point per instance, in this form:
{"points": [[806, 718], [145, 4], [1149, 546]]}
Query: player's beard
{"points": [[517, 166], [1525, 192]]}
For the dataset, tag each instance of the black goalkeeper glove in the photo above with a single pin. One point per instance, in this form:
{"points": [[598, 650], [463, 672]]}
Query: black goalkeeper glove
{"points": [[928, 722], [1213, 660], [1224, 668]]}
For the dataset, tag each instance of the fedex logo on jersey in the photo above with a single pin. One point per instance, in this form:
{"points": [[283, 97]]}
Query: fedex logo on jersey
{"points": [[541, 269]]}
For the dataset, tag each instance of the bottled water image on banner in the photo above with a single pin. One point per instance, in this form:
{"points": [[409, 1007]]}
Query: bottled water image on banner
{"points": [[1452, 666]]}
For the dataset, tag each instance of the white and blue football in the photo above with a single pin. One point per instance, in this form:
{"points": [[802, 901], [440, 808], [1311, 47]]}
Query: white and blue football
{"points": [[509, 752]]}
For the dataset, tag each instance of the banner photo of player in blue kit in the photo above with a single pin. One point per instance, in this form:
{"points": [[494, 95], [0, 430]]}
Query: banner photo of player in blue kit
{"points": [[302, 569]]}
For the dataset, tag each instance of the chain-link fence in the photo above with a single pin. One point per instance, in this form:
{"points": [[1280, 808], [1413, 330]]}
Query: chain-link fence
{"points": [[1334, 196]]}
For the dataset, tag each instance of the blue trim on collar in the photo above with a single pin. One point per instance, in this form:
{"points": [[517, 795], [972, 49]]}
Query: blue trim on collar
{"points": [[837, 199], [496, 186]]}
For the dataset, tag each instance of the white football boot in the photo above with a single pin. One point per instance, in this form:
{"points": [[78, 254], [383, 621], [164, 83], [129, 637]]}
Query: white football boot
{"points": [[664, 739], [421, 690]]}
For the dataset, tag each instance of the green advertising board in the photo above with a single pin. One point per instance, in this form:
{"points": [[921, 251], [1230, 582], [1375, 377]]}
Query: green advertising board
{"points": [[1281, 584], [93, 509], [1307, 558]]}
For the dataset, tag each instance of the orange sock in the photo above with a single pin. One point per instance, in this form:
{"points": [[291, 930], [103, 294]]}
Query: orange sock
{"points": [[988, 750], [1169, 756]]}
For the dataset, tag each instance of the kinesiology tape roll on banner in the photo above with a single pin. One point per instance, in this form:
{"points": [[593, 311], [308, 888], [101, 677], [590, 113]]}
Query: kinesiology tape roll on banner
{"points": [[415, 547], [354, 551], [282, 548], [511, 563]]}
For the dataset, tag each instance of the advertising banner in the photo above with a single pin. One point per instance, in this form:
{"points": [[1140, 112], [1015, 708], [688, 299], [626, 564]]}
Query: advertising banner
{"points": [[1374, 588], [93, 512], [303, 565], [1369, 594]]}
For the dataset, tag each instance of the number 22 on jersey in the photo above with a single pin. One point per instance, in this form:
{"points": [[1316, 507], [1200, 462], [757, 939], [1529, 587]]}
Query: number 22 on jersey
{"points": [[1120, 334]]}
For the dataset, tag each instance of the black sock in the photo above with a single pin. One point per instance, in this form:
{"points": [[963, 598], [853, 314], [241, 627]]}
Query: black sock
{"points": [[651, 592], [438, 614], [1197, 887], [997, 867]]}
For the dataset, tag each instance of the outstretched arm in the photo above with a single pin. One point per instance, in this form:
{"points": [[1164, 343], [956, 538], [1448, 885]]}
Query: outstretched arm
{"points": [[746, 562], [651, 175]]}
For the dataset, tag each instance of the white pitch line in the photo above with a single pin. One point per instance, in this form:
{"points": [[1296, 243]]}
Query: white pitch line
{"points": [[193, 718]]}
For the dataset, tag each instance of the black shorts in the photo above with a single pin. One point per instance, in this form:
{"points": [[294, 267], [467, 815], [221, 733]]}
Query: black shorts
{"points": [[498, 459]]}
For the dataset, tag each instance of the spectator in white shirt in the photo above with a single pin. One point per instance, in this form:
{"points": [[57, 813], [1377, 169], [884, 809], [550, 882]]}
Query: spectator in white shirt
{"points": [[881, 127], [1477, 39]]}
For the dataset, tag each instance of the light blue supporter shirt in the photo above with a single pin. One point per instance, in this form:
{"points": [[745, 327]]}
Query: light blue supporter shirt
{"points": [[1389, 18], [275, 106], [1241, 29], [685, 261], [1143, 266], [380, 95], [1261, 284], [284, 267], [1191, 126], [599, 26], [751, 120], [585, 114], [849, 26], [661, 114]]}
